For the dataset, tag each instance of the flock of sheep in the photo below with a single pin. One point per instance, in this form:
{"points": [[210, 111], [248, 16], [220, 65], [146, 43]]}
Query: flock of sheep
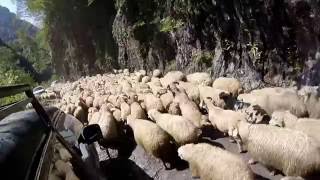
{"points": [[278, 127]]}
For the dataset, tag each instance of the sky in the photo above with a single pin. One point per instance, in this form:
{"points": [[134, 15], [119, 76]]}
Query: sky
{"points": [[9, 4]]}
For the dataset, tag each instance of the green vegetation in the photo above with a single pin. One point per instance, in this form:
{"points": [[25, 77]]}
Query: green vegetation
{"points": [[169, 24], [203, 57]]}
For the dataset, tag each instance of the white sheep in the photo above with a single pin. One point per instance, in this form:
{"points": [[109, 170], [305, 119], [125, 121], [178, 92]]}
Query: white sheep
{"points": [[181, 129], [191, 89], [200, 78], [292, 152], [211, 162], [221, 98], [151, 138], [126, 72], [125, 110], [171, 77], [81, 114], [136, 111], [156, 73], [153, 102], [89, 101], [224, 120], [174, 109], [285, 119], [276, 99], [107, 124], [231, 85], [145, 79], [189, 109], [312, 102], [166, 99], [143, 72]]}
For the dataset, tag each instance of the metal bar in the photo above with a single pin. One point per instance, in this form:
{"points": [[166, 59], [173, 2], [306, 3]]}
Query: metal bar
{"points": [[12, 108], [13, 90]]}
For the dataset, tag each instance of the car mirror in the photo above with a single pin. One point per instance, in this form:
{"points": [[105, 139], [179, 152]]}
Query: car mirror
{"points": [[90, 134]]}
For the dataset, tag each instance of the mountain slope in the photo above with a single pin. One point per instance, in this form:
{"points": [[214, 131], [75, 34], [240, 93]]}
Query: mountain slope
{"points": [[10, 24]]}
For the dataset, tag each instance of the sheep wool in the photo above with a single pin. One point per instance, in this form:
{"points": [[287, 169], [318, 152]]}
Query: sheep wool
{"points": [[306, 125], [156, 73], [292, 152], [136, 111], [200, 78], [217, 164], [171, 77], [231, 85], [152, 102], [151, 138], [181, 129]]}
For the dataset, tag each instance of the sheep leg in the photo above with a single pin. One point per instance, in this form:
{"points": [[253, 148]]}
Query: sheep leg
{"points": [[239, 144], [194, 171]]}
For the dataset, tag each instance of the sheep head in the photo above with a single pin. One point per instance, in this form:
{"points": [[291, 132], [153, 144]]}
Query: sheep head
{"points": [[152, 114]]}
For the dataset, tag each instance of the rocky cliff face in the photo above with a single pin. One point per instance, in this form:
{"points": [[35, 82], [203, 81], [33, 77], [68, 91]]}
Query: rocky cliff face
{"points": [[10, 24], [259, 42]]}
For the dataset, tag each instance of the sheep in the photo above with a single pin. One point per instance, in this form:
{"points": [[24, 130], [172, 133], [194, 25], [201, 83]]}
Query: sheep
{"points": [[231, 85], [255, 114], [200, 78], [81, 114], [126, 72], [90, 112], [62, 167], [211, 162], [145, 79], [116, 114], [156, 81], [286, 119], [191, 89], [125, 110], [174, 109], [152, 138], [221, 98], [143, 72], [312, 102], [181, 129], [153, 102], [157, 90], [189, 109], [292, 152], [70, 175], [156, 73], [224, 120], [64, 154], [89, 101], [171, 77], [136, 111], [272, 99], [115, 100], [107, 124], [166, 99]]}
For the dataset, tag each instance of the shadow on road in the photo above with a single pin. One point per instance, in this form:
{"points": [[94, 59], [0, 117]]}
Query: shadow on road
{"points": [[115, 169]]}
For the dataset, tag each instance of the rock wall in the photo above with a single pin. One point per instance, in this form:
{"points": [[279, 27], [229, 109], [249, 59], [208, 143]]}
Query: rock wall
{"points": [[260, 42]]}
